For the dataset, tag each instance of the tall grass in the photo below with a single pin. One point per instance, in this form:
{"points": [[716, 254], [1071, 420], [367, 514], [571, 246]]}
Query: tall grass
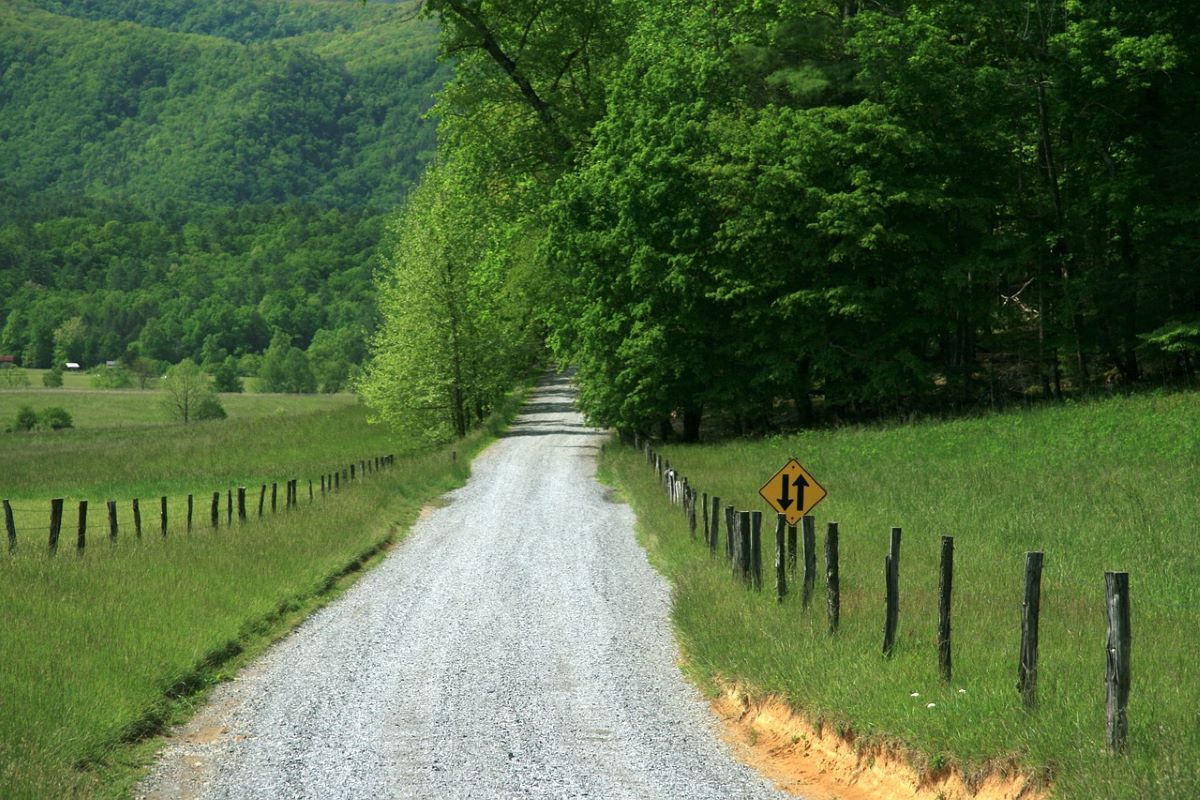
{"points": [[1110, 485], [96, 651]]}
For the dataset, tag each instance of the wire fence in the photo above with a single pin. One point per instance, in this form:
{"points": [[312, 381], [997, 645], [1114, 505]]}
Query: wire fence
{"points": [[76, 522]]}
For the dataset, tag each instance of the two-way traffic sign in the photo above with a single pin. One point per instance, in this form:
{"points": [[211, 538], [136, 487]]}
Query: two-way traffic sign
{"points": [[792, 491]]}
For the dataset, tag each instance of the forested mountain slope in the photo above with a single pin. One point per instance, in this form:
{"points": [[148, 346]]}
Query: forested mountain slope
{"points": [[175, 172]]}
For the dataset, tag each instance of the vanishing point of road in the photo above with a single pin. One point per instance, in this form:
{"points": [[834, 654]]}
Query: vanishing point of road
{"points": [[516, 644]]}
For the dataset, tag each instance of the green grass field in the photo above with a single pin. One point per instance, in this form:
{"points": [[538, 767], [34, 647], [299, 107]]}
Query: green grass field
{"points": [[100, 651], [1111, 485]]}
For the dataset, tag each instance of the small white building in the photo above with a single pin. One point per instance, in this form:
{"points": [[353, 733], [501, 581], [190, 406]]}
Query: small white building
{"points": [[71, 365]]}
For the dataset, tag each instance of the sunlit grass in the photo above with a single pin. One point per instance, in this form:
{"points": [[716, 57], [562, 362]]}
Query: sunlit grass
{"points": [[1106, 486], [97, 648]]}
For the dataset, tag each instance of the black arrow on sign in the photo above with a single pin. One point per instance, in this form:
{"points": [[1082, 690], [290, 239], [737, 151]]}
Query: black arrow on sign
{"points": [[786, 499]]}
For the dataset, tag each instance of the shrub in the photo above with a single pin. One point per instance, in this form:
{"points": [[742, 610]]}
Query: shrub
{"points": [[13, 377], [225, 376], [209, 407], [27, 419], [112, 378], [52, 378], [54, 419]]}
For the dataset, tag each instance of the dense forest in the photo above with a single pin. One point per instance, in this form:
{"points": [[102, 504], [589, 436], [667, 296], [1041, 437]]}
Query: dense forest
{"points": [[190, 178], [754, 213]]}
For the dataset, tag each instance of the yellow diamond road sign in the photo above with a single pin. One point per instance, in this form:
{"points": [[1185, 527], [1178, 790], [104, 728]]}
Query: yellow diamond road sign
{"points": [[792, 491]]}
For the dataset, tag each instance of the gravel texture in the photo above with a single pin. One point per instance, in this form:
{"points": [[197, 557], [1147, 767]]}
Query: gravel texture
{"points": [[515, 645]]}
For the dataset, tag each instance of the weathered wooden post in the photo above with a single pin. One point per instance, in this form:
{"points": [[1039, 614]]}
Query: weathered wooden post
{"points": [[56, 507], [10, 527], [262, 497], [352, 477], [731, 537], [337, 483], [241, 504], [162, 510], [274, 493], [189, 514], [780, 558], [891, 576], [81, 537], [809, 525], [322, 484], [756, 549], [792, 547], [945, 583], [216, 509], [112, 520], [229, 506], [1030, 610], [1117, 672], [310, 489], [714, 534], [691, 512], [831, 575], [746, 546], [137, 518]]}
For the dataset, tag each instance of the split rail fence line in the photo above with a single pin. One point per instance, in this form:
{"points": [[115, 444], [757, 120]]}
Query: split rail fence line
{"points": [[743, 550], [329, 483]]}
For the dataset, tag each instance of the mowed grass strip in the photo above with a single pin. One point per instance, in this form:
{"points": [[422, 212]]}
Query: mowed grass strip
{"points": [[1110, 485], [99, 651]]}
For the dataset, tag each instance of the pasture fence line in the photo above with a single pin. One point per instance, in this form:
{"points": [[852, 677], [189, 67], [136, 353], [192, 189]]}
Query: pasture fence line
{"points": [[743, 550], [330, 484]]}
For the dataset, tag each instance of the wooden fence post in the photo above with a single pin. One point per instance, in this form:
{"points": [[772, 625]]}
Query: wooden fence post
{"points": [[791, 535], [137, 518], [10, 526], [189, 514], [112, 520], [945, 582], [56, 507], [310, 489], [229, 506], [809, 526], [1030, 609], [274, 492], [831, 575], [337, 483], [891, 578], [322, 484], [746, 546], [216, 509], [714, 534], [241, 504], [1116, 672], [691, 511], [780, 558], [163, 514], [352, 476], [731, 537], [756, 549], [262, 496], [81, 539], [704, 515]]}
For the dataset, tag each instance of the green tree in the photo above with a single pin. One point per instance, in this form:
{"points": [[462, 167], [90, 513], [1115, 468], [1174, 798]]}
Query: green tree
{"points": [[184, 388]]}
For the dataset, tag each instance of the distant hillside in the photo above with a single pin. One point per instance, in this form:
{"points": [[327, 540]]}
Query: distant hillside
{"points": [[197, 178], [94, 106]]}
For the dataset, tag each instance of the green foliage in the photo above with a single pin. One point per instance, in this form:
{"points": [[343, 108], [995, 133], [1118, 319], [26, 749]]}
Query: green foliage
{"points": [[13, 377], [209, 407], [53, 377], [285, 368], [185, 388], [54, 419], [456, 336], [112, 378], [27, 419], [226, 377]]}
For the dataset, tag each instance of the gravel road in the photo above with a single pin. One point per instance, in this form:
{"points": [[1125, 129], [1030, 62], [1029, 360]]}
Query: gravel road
{"points": [[515, 645]]}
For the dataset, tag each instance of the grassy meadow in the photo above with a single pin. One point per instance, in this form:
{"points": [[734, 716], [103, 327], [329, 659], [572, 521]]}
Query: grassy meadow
{"points": [[1109, 485], [99, 652]]}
